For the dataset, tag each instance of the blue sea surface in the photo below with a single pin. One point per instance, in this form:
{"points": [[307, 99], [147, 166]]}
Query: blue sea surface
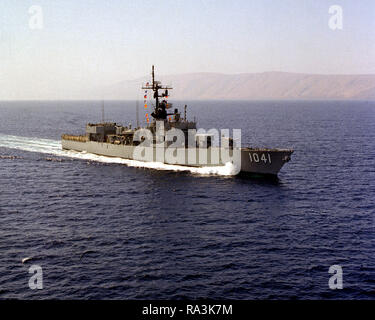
{"points": [[109, 231]]}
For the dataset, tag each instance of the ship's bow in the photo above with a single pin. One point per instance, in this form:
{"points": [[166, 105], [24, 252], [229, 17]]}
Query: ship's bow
{"points": [[264, 161]]}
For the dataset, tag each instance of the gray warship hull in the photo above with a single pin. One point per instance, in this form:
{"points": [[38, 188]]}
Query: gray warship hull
{"points": [[253, 161], [113, 140]]}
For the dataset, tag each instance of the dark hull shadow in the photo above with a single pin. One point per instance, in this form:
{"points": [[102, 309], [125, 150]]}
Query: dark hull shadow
{"points": [[259, 178]]}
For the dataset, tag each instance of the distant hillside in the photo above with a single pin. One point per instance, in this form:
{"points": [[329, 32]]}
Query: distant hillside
{"points": [[267, 85]]}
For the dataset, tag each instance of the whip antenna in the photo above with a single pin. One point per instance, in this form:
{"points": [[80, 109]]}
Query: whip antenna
{"points": [[102, 111]]}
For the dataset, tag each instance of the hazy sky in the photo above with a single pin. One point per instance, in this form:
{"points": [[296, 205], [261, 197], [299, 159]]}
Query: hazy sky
{"points": [[92, 43]]}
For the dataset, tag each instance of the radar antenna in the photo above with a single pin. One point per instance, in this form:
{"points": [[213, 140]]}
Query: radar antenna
{"points": [[160, 112]]}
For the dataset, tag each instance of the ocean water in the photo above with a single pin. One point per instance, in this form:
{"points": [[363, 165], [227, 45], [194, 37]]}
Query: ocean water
{"points": [[105, 228]]}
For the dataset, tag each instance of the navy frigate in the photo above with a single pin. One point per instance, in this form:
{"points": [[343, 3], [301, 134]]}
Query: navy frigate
{"points": [[171, 138]]}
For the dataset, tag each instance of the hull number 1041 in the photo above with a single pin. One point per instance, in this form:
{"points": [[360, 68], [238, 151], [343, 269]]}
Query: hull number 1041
{"points": [[264, 157]]}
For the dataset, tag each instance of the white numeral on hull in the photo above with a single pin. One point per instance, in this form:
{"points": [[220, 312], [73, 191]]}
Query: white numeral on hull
{"points": [[254, 157]]}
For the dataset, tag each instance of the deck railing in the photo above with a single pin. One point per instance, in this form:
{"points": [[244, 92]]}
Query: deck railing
{"points": [[74, 138]]}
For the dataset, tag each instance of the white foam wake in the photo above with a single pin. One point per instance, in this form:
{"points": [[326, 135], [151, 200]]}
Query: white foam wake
{"points": [[54, 147]]}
